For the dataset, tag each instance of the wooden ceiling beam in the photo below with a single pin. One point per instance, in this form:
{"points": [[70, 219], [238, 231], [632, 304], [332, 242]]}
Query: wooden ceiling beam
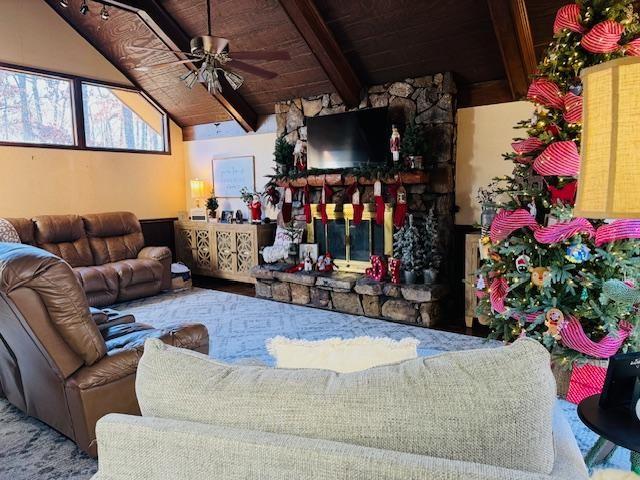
{"points": [[484, 93], [513, 32], [153, 14], [317, 35]]}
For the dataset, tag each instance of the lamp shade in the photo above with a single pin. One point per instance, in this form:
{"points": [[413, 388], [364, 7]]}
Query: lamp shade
{"points": [[197, 189], [609, 180]]}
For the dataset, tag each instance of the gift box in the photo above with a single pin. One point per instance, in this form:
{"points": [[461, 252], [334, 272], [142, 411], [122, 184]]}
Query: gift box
{"points": [[586, 380]]}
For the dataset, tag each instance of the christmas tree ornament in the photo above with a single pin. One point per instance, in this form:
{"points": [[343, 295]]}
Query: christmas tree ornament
{"points": [[523, 262], [286, 205], [584, 295], [540, 276], [565, 194], [379, 202], [481, 284], [554, 319], [400, 210], [578, 253]]}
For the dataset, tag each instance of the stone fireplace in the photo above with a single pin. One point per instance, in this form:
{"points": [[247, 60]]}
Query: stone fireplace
{"points": [[430, 101]]}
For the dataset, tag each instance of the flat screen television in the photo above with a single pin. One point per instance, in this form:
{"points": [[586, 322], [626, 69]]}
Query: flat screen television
{"points": [[349, 139]]}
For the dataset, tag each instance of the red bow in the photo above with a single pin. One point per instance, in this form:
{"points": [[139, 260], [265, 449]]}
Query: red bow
{"points": [[547, 93], [568, 17], [566, 194], [603, 37], [529, 145], [633, 48]]}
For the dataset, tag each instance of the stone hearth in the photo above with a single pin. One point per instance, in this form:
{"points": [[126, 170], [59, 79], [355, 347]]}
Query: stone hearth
{"points": [[351, 293]]}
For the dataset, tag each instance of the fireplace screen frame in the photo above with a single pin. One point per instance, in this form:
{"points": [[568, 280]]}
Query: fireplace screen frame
{"points": [[345, 212]]}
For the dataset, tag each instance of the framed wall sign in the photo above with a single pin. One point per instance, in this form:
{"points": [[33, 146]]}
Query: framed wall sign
{"points": [[232, 174]]}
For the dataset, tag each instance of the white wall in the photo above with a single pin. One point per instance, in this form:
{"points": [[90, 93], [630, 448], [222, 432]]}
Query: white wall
{"points": [[484, 134], [200, 153]]}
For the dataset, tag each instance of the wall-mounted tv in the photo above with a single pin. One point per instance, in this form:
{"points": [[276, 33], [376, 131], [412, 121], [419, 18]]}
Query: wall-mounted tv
{"points": [[348, 139]]}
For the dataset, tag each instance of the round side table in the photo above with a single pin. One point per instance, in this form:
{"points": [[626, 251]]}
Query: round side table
{"points": [[616, 429]]}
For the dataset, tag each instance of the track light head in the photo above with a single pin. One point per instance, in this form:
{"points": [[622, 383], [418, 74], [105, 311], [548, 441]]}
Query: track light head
{"points": [[84, 8], [104, 13], [64, 3]]}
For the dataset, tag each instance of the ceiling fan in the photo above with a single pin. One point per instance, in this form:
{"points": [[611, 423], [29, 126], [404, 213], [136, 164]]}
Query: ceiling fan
{"points": [[212, 58]]}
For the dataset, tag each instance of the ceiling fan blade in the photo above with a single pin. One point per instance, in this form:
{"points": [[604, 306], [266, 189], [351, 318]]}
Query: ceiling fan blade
{"points": [[245, 67], [261, 55], [145, 68], [149, 49]]}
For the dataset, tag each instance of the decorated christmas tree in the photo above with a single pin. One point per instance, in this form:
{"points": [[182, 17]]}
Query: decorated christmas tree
{"points": [[546, 274], [283, 156]]}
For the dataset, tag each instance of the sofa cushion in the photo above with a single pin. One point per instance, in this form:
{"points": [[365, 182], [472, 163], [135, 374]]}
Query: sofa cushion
{"points": [[25, 229], [137, 271], [469, 405], [100, 284], [64, 236], [113, 236]]}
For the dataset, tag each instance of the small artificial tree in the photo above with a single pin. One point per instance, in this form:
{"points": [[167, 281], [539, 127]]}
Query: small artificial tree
{"points": [[408, 246], [413, 143], [283, 156], [430, 242], [212, 204]]}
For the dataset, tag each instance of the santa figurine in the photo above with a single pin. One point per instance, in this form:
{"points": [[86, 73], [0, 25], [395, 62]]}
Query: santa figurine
{"points": [[328, 263], [308, 263], [394, 143], [300, 156], [320, 264], [256, 209]]}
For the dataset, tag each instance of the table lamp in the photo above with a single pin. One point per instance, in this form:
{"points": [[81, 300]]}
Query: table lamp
{"points": [[610, 146], [198, 213]]}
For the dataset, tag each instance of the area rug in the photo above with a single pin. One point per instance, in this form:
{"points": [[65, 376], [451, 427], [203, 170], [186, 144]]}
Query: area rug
{"points": [[238, 329]]}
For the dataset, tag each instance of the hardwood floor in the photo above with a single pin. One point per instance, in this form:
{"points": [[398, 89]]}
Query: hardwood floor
{"points": [[249, 290]]}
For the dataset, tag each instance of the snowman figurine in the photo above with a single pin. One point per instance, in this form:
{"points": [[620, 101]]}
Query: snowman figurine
{"points": [[308, 263]]}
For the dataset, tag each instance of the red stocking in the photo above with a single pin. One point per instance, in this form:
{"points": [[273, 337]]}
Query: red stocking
{"points": [[286, 205], [307, 205], [379, 200], [322, 206], [357, 206], [400, 212]]}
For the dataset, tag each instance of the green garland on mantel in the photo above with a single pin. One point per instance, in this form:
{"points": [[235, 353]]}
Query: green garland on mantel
{"points": [[369, 172]]}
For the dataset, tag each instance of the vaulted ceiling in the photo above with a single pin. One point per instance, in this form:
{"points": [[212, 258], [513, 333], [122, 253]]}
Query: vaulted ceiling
{"points": [[335, 45]]}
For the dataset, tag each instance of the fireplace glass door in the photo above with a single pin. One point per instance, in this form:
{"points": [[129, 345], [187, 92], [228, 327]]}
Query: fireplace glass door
{"points": [[351, 245]]}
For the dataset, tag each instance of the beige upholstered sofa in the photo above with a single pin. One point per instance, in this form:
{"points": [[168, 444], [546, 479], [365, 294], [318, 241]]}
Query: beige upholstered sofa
{"points": [[475, 415]]}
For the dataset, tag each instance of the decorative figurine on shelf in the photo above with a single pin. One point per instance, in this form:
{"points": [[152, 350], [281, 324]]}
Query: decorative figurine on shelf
{"points": [[394, 270], [255, 207], [325, 263], [300, 156], [239, 216], [394, 143], [308, 263], [378, 269]]}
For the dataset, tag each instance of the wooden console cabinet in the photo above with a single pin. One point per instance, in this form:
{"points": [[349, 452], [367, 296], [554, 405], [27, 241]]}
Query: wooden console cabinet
{"points": [[223, 250]]}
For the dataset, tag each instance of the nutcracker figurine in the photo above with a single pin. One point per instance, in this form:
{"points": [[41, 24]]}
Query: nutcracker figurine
{"points": [[394, 143]]}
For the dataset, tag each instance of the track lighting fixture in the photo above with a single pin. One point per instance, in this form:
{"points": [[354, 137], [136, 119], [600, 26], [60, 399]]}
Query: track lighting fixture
{"points": [[64, 3], [84, 8], [104, 13]]}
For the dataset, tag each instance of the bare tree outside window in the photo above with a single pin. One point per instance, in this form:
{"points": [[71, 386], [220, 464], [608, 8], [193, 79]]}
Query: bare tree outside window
{"points": [[121, 119], [35, 109]]}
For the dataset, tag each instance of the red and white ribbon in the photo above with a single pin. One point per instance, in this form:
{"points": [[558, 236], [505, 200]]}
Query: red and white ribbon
{"points": [[633, 48], [529, 145], [572, 108], [603, 37], [568, 17], [507, 222], [560, 232], [573, 337], [618, 230], [559, 158], [545, 92], [498, 294]]}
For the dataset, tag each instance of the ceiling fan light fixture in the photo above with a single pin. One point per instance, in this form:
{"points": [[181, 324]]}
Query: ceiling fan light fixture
{"points": [[84, 8], [64, 3], [190, 78], [234, 79], [104, 13]]}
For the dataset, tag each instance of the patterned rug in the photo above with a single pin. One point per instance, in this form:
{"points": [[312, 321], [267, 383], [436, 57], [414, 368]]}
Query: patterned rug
{"points": [[238, 328]]}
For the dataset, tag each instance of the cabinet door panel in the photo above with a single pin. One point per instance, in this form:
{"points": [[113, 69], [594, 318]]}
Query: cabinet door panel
{"points": [[225, 251], [245, 246], [203, 250], [186, 246]]}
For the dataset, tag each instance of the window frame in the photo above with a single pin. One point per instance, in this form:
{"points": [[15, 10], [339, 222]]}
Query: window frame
{"points": [[77, 105]]}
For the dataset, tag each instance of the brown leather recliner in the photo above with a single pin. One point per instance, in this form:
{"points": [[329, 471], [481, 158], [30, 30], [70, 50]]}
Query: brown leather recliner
{"points": [[106, 251], [55, 363]]}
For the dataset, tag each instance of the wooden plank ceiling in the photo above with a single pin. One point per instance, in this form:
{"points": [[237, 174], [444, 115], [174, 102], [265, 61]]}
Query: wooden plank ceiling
{"points": [[490, 45]]}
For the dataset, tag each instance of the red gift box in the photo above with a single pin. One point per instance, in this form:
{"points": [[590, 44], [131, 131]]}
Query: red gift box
{"points": [[586, 380]]}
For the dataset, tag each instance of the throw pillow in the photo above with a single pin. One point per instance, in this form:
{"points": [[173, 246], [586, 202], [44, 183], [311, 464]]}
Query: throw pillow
{"points": [[8, 233], [348, 355], [490, 406]]}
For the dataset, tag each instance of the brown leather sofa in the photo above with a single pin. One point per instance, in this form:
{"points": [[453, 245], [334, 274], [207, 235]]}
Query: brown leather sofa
{"points": [[106, 251], [56, 364]]}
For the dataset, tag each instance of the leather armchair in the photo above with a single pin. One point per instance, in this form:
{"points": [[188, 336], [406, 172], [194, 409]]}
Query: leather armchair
{"points": [[56, 364]]}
